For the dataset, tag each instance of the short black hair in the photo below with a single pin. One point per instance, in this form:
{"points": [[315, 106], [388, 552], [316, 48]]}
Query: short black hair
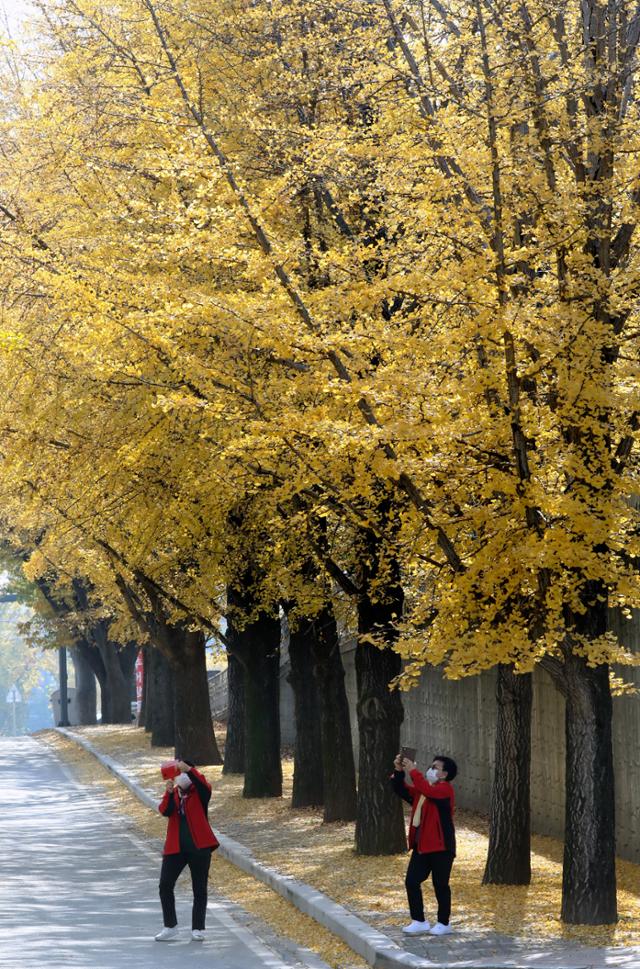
{"points": [[186, 760], [448, 765]]}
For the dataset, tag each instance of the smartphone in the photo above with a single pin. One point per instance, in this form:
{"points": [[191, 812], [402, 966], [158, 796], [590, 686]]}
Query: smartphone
{"points": [[409, 752]]}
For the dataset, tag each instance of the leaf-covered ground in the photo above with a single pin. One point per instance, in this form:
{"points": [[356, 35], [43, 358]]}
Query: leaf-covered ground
{"points": [[322, 855]]}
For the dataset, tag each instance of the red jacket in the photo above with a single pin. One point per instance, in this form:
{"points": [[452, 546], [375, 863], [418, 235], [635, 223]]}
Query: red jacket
{"points": [[195, 809], [436, 831]]}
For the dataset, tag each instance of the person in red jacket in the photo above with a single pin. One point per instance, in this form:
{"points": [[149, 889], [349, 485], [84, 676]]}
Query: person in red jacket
{"points": [[432, 837], [190, 841]]}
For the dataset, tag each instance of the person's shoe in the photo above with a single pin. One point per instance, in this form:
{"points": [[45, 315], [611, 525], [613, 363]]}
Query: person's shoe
{"points": [[166, 935], [440, 929], [197, 935], [416, 928]]}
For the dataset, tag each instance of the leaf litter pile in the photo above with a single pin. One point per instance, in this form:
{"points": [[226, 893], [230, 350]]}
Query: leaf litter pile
{"points": [[296, 842]]}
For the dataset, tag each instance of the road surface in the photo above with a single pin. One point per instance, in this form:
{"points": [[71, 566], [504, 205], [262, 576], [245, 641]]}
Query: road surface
{"points": [[78, 891]]}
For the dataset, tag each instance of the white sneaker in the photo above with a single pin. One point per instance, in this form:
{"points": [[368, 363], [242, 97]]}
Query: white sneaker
{"points": [[166, 935], [440, 929], [416, 928], [197, 935]]}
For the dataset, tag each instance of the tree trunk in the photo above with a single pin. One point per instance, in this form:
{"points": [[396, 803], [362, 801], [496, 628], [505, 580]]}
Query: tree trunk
{"points": [[160, 719], [589, 874], [307, 751], [127, 656], [95, 661], [263, 767], [86, 691], [194, 736], [185, 651], [380, 822], [234, 746], [339, 772], [509, 853], [257, 646]]}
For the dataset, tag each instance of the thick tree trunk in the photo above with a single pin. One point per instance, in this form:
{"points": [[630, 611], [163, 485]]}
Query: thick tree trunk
{"points": [[261, 652], [160, 718], [509, 853], [339, 773], [307, 751], [380, 822], [194, 736], [86, 691], [589, 875], [257, 646], [234, 746]]}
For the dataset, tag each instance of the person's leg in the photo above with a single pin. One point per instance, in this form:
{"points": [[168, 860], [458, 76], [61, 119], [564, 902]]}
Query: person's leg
{"points": [[199, 863], [419, 869], [172, 865], [441, 862]]}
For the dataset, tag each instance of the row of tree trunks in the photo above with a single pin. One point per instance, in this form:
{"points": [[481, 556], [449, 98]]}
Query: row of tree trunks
{"points": [[109, 663], [97, 659], [589, 875], [177, 712], [184, 648], [323, 749], [113, 666], [323, 755]]}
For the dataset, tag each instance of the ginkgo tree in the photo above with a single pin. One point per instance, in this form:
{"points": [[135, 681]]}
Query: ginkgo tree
{"points": [[370, 271]]}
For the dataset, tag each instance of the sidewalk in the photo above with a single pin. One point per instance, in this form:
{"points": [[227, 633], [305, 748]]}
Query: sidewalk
{"points": [[79, 889], [510, 927]]}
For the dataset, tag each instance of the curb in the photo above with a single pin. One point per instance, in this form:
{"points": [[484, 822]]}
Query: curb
{"points": [[378, 950]]}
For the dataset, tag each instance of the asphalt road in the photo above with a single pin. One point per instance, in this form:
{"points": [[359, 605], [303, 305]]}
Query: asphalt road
{"points": [[79, 891]]}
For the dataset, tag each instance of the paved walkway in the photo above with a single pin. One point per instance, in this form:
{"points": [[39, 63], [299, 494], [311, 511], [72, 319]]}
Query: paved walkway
{"points": [[80, 892]]}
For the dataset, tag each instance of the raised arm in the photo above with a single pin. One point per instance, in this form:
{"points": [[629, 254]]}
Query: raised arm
{"points": [[201, 784], [397, 783]]}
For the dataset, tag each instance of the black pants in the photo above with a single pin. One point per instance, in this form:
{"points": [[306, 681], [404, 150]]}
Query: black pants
{"points": [[438, 865], [172, 866]]}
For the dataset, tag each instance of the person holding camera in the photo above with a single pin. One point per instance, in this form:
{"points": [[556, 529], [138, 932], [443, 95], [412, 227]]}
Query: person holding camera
{"points": [[190, 841], [432, 837]]}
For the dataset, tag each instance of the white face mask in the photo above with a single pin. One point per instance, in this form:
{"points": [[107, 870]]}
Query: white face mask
{"points": [[183, 781], [432, 775]]}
